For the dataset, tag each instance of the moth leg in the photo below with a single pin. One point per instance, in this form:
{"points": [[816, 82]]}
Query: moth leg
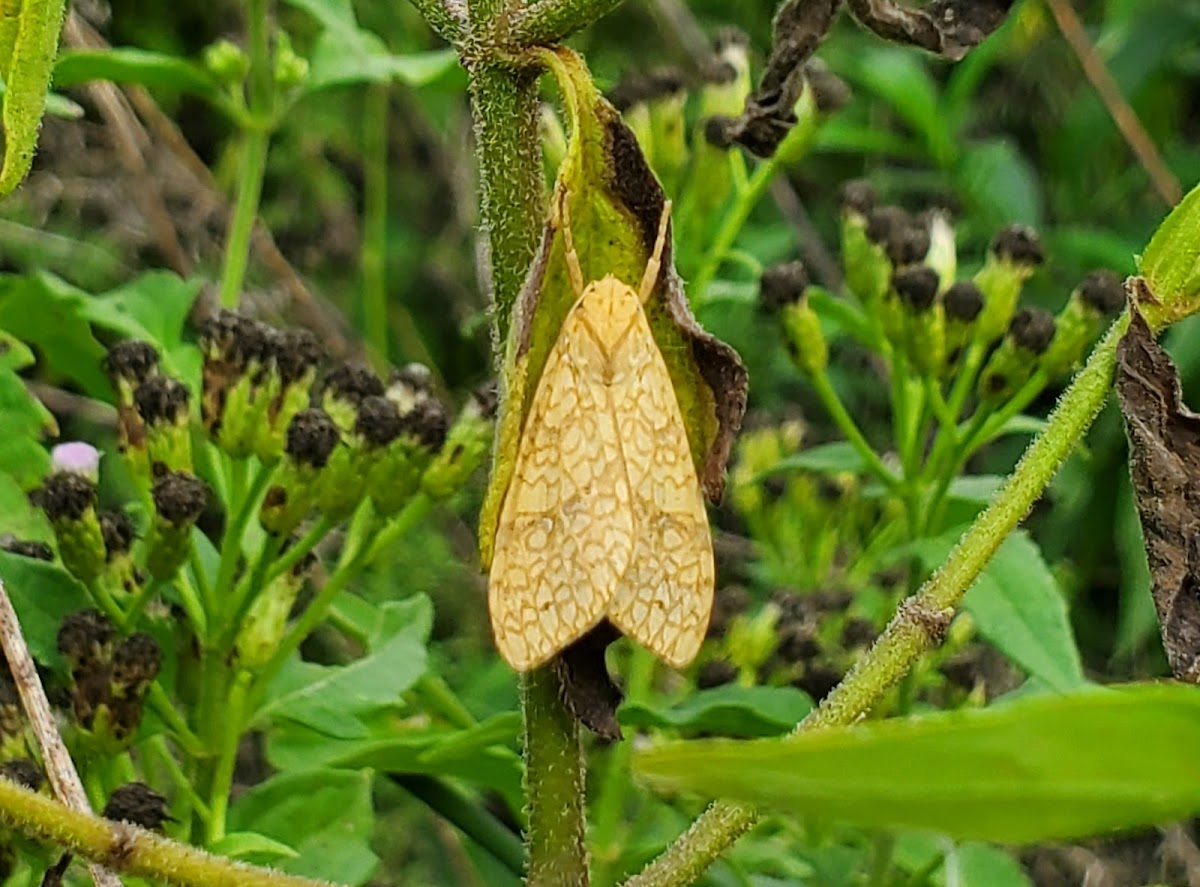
{"points": [[572, 257], [650, 277]]}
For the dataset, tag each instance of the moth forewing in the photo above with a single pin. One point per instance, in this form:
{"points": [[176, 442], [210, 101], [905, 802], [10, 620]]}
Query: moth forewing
{"points": [[604, 516]]}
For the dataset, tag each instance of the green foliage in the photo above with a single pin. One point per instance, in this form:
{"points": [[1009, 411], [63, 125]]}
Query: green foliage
{"points": [[360, 697], [1019, 772]]}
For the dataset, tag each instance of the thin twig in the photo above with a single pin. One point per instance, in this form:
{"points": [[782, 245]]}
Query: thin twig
{"points": [[1123, 115], [59, 766]]}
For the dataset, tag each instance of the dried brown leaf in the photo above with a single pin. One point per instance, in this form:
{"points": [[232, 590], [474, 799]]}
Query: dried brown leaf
{"points": [[1164, 461]]}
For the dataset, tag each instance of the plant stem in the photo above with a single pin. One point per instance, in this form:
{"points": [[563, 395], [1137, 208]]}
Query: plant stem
{"points": [[554, 785], [375, 202], [846, 424], [549, 22], [254, 154], [914, 628], [513, 199], [129, 850], [234, 720]]}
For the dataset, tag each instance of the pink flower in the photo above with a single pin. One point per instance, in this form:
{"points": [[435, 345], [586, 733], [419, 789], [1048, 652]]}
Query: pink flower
{"points": [[77, 456]]}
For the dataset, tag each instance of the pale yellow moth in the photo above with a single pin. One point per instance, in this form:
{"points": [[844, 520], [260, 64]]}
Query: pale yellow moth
{"points": [[603, 517]]}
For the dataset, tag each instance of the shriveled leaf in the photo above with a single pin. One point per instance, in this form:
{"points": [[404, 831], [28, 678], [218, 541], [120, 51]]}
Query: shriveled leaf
{"points": [[726, 711], [1164, 462], [1044, 768], [948, 27]]}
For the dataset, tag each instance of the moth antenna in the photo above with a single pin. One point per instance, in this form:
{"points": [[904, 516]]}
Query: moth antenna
{"points": [[573, 270], [654, 266]]}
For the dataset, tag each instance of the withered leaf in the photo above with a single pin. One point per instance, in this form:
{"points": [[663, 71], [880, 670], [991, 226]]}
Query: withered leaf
{"points": [[951, 28], [1164, 462], [587, 689]]}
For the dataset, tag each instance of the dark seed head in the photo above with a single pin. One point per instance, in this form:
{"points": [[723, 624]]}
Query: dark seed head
{"points": [[311, 437], [1032, 329], [1019, 244], [963, 301], [1103, 290]]}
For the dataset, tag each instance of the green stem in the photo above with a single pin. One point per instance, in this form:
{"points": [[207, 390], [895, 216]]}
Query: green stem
{"points": [[554, 785], [300, 549], [437, 14], [233, 720], [732, 223], [375, 203], [157, 747], [131, 852], [254, 154], [849, 428], [161, 705], [550, 21], [466, 814], [909, 634], [513, 198]]}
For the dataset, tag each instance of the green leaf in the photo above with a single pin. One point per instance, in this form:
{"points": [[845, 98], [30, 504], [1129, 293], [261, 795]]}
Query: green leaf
{"points": [[14, 354], [30, 43], [338, 60], [1018, 607], [49, 313], [345, 53], [123, 64], [324, 815], [726, 711], [823, 459], [25, 421], [1171, 262], [1044, 768], [42, 594], [1000, 182], [482, 755], [333, 698], [240, 845], [155, 307], [980, 488]]}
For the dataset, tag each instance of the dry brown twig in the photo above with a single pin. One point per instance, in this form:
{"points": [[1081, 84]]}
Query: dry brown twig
{"points": [[59, 766], [1123, 115]]}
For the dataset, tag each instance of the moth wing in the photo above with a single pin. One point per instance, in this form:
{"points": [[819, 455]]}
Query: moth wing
{"points": [[565, 533], [664, 599]]}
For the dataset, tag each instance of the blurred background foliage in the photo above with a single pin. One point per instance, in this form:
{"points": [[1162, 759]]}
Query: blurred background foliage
{"points": [[1015, 133]]}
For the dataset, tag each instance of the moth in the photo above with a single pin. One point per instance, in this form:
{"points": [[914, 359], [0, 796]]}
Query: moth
{"points": [[604, 517]]}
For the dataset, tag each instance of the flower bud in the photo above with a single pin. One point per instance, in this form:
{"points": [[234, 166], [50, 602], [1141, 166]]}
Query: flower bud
{"points": [[237, 386], [467, 445], [962, 304], [179, 500], [1014, 255], [396, 476], [1013, 362], [86, 639], [137, 803], [344, 482], [129, 364], [294, 369], [135, 664], [343, 389], [781, 285], [263, 626], [925, 322], [864, 259], [805, 341], [117, 529], [163, 403], [290, 69], [69, 500], [1099, 294], [311, 438], [227, 62]]}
